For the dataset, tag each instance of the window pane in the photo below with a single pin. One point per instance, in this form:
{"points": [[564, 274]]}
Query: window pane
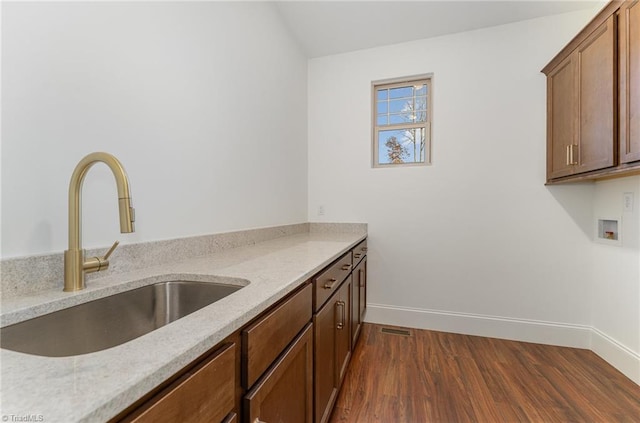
{"points": [[382, 120], [390, 149], [421, 89], [420, 137], [401, 92], [399, 118], [396, 106], [401, 146], [415, 141], [382, 107], [383, 94], [420, 116]]}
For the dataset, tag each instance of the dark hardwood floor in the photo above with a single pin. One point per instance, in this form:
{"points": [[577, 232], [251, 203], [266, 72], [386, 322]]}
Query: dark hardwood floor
{"points": [[449, 378]]}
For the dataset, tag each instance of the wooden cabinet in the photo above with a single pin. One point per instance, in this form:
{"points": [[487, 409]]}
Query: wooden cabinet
{"points": [[284, 393], [629, 80], [358, 300], [560, 118], [286, 365], [581, 107], [277, 362], [332, 348], [264, 340], [595, 59], [205, 393], [328, 281], [358, 290], [337, 322], [343, 330], [593, 99], [324, 341]]}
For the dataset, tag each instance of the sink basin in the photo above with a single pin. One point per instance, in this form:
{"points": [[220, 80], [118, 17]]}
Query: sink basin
{"points": [[111, 321]]}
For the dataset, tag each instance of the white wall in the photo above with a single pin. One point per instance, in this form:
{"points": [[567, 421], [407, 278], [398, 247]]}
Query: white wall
{"points": [[616, 279], [474, 243], [203, 103]]}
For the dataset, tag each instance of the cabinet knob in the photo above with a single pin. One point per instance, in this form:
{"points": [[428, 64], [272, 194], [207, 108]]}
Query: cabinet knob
{"points": [[346, 266], [357, 255], [330, 284]]}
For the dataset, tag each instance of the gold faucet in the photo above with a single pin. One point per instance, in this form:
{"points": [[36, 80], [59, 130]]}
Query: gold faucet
{"points": [[75, 265]]}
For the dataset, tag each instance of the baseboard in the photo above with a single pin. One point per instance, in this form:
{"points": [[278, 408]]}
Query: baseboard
{"points": [[541, 332], [616, 354]]}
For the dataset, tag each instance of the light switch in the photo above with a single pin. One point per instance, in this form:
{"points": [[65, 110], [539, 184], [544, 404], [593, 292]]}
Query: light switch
{"points": [[627, 202]]}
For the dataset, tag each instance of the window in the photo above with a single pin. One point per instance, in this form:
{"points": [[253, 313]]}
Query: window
{"points": [[402, 122]]}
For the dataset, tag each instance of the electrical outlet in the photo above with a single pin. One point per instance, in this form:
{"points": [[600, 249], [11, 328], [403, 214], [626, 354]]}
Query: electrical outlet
{"points": [[320, 210], [627, 202]]}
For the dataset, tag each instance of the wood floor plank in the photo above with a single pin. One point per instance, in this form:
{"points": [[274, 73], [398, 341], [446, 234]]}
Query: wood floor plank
{"points": [[449, 378]]}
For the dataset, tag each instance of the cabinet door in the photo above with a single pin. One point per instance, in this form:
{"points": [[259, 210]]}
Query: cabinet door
{"points": [[204, 394], [326, 384], [629, 80], [561, 118], [597, 98], [332, 343], [363, 290], [284, 393], [343, 330], [358, 300]]}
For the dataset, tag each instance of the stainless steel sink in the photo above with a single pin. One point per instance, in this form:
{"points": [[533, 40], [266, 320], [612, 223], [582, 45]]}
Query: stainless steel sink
{"points": [[111, 321]]}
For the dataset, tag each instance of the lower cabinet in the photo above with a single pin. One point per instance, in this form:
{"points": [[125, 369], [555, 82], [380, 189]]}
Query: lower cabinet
{"points": [[285, 366], [277, 362], [264, 340], [359, 299], [205, 393], [284, 393], [332, 341], [343, 330]]}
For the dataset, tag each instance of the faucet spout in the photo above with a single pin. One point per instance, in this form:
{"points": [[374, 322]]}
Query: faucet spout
{"points": [[75, 265]]}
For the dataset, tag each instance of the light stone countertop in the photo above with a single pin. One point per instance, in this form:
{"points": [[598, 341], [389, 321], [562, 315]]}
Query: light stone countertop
{"points": [[97, 386]]}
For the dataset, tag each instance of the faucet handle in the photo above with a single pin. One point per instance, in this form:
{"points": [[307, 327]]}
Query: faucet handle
{"points": [[96, 264], [111, 250]]}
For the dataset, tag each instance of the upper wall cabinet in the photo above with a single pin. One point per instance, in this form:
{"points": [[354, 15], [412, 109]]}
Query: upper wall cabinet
{"points": [[588, 104], [581, 107], [629, 80]]}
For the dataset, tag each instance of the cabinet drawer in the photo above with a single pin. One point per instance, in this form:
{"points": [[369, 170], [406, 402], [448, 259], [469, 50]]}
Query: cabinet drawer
{"points": [[327, 282], [204, 394], [359, 251], [263, 341]]}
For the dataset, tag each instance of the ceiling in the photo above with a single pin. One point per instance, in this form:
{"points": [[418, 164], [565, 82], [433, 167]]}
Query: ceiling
{"points": [[330, 27]]}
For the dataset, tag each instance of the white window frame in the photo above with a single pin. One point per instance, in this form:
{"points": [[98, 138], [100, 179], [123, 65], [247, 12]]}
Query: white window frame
{"points": [[375, 129]]}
